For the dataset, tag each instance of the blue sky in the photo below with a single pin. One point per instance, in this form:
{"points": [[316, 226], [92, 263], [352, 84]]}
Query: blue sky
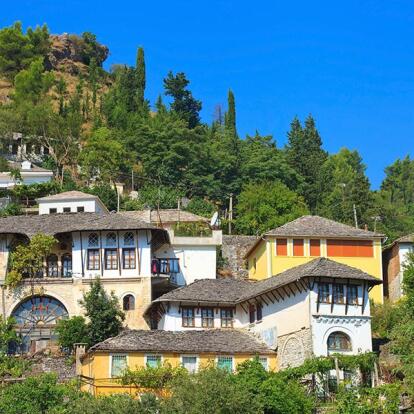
{"points": [[349, 63]]}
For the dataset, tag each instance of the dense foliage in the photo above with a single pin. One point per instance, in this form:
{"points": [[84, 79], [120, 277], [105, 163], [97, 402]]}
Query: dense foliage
{"points": [[166, 152]]}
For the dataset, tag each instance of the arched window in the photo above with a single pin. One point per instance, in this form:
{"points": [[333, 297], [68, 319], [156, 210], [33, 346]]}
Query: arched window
{"points": [[128, 303], [93, 240], [67, 265], [111, 239], [52, 266], [339, 342], [129, 239]]}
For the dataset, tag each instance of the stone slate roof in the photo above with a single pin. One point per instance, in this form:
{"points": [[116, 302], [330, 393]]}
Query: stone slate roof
{"points": [[166, 216], [209, 290], [69, 195], [315, 226], [233, 291], [409, 238], [53, 224], [225, 341]]}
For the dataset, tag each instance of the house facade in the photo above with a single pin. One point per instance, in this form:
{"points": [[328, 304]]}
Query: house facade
{"points": [[394, 258], [133, 258], [308, 237], [29, 174]]}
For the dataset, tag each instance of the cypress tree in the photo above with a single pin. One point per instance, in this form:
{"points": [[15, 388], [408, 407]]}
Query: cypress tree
{"points": [[140, 78], [230, 118]]}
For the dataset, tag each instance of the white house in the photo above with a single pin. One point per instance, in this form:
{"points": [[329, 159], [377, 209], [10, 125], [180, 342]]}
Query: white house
{"points": [[29, 174], [318, 308], [71, 202]]}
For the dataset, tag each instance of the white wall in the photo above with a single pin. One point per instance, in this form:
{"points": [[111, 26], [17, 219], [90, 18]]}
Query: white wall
{"points": [[90, 206], [196, 262], [142, 244], [7, 182]]}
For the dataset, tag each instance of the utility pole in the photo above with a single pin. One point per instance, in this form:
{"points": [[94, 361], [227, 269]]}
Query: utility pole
{"points": [[355, 215], [230, 211]]}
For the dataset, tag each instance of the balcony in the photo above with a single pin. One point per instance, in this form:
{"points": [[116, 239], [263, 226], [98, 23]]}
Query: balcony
{"points": [[166, 267]]}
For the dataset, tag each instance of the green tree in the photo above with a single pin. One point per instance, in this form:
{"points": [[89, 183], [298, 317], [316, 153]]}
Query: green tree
{"points": [[103, 311], [230, 116], [140, 78], [71, 331], [27, 259], [306, 155], [263, 206], [91, 49], [8, 334], [184, 104]]}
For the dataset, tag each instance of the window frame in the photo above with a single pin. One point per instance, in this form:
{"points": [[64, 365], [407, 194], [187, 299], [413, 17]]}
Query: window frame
{"points": [[111, 363], [203, 319], [224, 321], [344, 335], [128, 295], [96, 236], [283, 243], [53, 210], [186, 318], [158, 356], [55, 272], [265, 359], [88, 261], [124, 239], [129, 249], [190, 356], [110, 239], [335, 296], [66, 210], [328, 299], [227, 357], [348, 290], [80, 209], [64, 266], [112, 262]]}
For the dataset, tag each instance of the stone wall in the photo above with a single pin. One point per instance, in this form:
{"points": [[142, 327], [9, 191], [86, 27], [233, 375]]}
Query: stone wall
{"points": [[233, 250], [294, 348], [63, 367]]}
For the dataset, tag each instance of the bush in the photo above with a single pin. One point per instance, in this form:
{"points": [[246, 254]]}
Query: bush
{"points": [[200, 206], [72, 331]]}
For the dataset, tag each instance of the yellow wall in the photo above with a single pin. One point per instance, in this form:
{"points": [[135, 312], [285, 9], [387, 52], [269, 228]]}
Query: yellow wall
{"points": [[278, 264], [97, 368]]}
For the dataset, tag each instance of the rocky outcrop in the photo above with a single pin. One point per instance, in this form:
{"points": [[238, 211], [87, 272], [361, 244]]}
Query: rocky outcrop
{"points": [[67, 54], [233, 250]]}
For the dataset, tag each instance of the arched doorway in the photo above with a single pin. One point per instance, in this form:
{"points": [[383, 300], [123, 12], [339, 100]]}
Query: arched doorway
{"points": [[339, 342], [36, 319]]}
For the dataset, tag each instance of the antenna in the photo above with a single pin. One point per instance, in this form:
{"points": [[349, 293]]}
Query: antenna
{"points": [[214, 220]]}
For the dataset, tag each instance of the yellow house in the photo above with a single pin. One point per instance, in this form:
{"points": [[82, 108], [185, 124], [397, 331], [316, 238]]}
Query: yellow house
{"points": [[103, 364], [300, 241]]}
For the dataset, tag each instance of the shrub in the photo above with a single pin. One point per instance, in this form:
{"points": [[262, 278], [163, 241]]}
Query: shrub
{"points": [[72, 331]]}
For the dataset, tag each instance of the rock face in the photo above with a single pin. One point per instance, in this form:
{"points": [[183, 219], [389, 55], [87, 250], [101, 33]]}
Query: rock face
{"points": [[233, 250], [66, 54]]}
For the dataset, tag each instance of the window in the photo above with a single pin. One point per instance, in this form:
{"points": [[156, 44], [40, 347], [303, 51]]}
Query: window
{"points": [[189, 363], [225, 362], [67, 265], [264, 362], [129, 239], [111, 239], [80, 209], [93, 240], [281, 247], [338, 293], [128, 258], [207, 317], [52, 266], [352, 292], [315, 247], [52, 210], [188, 318], [323, 292], [153, 361], [259, 312], [111, 259], [93, 259], [128, 303], [226, 318], [66, 209], [338, 341], [350, 248], [252, 314], [298, 247], [118, 365]]}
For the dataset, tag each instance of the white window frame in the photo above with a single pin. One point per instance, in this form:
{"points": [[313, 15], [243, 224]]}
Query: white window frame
{"points": [[190, 356], [110, 363], [154, 354], [226, 356], [264, 357]]}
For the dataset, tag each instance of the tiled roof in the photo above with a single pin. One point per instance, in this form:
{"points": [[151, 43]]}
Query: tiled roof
{"points": [[315, 226], [68, 195], [166, 216], [232, 291], [409, 238], [225, 341], [53, 224]]}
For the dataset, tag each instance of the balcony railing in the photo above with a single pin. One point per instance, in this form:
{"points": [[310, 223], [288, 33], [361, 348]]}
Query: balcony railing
{"points": [[165, 266]]}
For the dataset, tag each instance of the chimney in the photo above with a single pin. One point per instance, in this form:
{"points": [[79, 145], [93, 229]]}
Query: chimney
{"points": [[80, 350]]}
